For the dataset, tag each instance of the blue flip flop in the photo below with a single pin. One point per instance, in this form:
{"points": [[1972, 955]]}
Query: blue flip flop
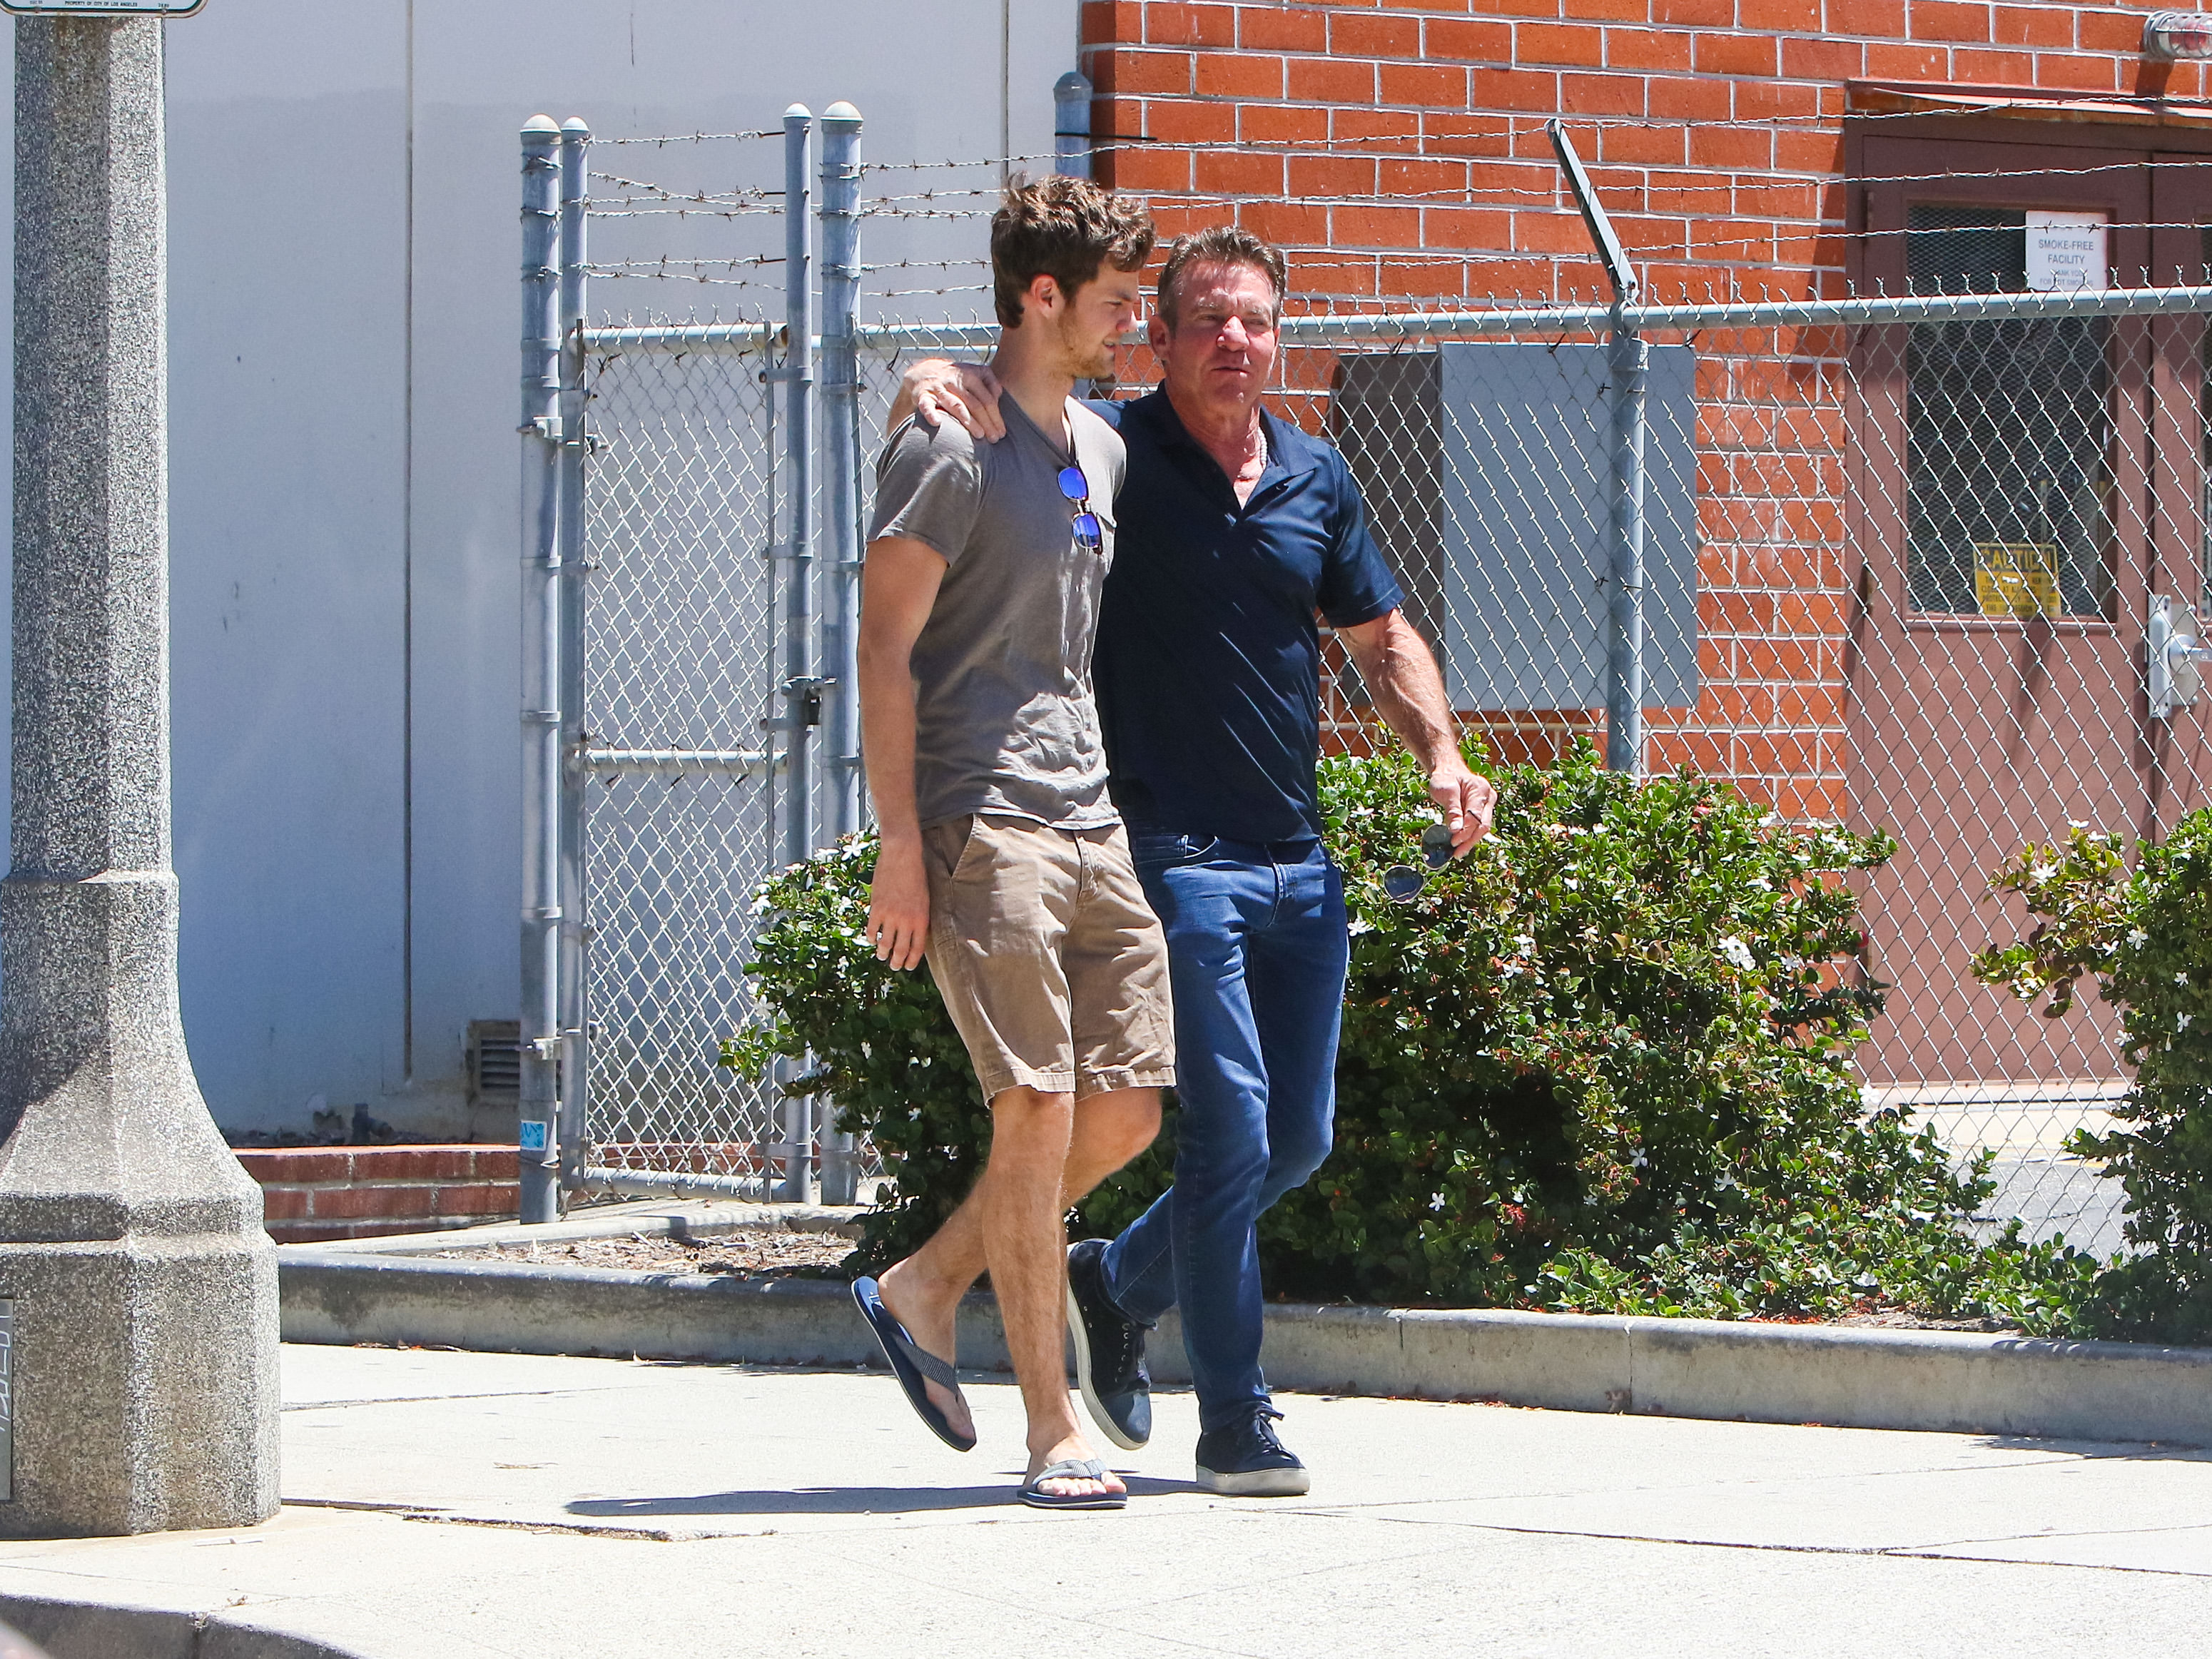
{"points": [[1071, 1468], [912, 1364]]}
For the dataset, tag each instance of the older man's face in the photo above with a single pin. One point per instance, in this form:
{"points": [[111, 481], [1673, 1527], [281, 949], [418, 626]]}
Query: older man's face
{"points": [[1219, 354]]}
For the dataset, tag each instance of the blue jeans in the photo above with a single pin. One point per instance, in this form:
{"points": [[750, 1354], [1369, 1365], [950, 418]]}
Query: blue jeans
{"points": [[1256, 957]]}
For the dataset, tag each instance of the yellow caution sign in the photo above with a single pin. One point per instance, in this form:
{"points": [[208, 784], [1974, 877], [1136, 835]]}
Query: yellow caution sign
{"points": [[2016, 578]]}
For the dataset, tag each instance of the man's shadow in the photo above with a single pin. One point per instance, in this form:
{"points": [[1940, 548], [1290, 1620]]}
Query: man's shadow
{"points": [[839, 1500]]}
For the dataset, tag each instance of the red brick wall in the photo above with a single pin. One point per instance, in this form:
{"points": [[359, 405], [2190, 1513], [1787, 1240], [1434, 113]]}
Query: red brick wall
{"points": [[314, 1193], [1396, 149]]}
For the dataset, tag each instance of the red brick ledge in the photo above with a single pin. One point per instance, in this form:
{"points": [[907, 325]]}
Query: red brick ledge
{"points": [[315, 1193]]}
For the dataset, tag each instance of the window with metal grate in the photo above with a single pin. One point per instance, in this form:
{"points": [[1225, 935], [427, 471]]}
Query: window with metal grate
{"points": [[2009, 435]]}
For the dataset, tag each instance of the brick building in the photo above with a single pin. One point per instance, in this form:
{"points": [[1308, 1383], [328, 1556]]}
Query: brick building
{"points": [[1853, 504]]}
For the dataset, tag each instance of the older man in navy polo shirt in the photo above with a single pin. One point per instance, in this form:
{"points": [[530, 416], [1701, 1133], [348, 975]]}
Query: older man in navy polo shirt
{"points": [[1235, 530]]}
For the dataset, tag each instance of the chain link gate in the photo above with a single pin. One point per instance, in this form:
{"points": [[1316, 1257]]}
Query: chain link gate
{"points": [[1899, 559]]}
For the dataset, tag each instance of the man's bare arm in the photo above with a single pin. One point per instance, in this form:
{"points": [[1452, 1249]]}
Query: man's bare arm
{"points": [[934, 387], [1401, 676], [898, 588]]}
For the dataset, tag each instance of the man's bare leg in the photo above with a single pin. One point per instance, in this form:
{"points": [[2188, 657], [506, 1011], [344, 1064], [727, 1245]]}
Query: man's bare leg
{"points": [[923, 1292], [1026, 1245]]}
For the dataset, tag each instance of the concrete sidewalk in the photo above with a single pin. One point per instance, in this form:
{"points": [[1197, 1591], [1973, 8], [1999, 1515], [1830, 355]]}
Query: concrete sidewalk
{"points": [[465, 1504]]}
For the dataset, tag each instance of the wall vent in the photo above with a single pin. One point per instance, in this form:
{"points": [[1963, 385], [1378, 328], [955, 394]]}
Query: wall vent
{"points": [[495, 1061]]}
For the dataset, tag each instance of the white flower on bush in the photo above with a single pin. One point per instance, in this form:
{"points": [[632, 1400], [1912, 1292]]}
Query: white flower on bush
{"points": [[1437, 1203], [2043, 872], [1524, 945], [1737, 952], [1362, 926], [2181, 979], [2181, 1021], [2137, 938]]}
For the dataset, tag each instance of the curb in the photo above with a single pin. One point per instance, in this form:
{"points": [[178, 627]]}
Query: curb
{"points": [[1941, 1381], [69, 1627]]}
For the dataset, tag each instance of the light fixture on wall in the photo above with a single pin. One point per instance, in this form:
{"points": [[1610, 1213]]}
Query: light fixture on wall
{"points": [[2172, 36]]}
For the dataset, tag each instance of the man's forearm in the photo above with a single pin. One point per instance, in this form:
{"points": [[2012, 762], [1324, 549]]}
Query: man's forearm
{"points": [[887, 740], [1401, 677]]}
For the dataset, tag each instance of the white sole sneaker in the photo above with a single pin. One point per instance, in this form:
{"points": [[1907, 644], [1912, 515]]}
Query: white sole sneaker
{"points": [[1099, 1414], [1257, 1482]]}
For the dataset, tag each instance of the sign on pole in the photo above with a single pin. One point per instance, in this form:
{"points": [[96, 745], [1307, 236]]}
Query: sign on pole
{"points": [[102, 7]]}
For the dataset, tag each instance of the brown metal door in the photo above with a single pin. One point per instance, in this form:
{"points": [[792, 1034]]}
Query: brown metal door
{"points": [[2008, 514]]}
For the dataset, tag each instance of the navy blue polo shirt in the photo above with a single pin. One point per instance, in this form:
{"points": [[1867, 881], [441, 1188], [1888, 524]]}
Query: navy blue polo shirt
{"points": [[1208, 660]]}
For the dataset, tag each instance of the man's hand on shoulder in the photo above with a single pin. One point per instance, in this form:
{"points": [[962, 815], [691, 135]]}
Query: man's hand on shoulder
{"points": [[1468, 800], [935, 389], [898, 905]]}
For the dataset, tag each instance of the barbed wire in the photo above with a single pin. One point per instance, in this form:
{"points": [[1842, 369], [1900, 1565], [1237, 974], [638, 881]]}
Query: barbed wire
{"points": [[652, 192], [932, 195], [926, 167], [671, 268], [661, 141], [925, 264], [598, 212], [925, 213]]}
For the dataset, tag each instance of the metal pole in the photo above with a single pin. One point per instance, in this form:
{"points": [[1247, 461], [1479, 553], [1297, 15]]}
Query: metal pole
{"points": [[574, 1076], [841, 416], [541, 671], [1629, 361], [1071, 107], [801, 689]]}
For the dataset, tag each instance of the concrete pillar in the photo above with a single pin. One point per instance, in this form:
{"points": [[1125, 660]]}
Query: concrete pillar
{"points": [[144, 1342]]}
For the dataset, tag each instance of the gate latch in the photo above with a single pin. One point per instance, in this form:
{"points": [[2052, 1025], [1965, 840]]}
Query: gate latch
{"points": [[2174, 657], [804, 695]]}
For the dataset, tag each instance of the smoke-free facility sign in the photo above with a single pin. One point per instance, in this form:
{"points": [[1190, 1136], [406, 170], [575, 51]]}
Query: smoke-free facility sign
{"points": [[2065, 250]]}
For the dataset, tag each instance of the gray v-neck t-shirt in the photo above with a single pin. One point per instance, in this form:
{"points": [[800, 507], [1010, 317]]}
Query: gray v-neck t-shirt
{"points": [[1005, 720]]}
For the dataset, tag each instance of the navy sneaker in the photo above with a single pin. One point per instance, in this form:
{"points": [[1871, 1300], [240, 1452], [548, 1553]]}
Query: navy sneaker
{"points": [[1246, 1460], [1109, 1351]]}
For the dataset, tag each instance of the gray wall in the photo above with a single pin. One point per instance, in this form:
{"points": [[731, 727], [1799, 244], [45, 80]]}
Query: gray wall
{"points": [[291, 296]]}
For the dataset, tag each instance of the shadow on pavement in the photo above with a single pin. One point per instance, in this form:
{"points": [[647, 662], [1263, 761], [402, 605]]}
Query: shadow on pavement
{"points": [[839, 1500], [2143, 1451]]}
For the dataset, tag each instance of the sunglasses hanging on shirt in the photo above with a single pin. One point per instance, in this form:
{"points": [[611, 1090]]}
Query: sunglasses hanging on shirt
{"points": [[1089, 535]]}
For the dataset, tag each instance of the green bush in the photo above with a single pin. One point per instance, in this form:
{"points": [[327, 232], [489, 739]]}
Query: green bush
{"points": [[1601, 1064], [2144, 938]]}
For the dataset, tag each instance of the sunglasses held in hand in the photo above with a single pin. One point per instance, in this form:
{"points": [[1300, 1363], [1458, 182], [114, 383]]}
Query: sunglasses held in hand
{"points": [[1403, 883]]}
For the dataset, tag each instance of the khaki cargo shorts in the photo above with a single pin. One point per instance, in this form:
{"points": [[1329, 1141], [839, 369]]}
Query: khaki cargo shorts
{"points": [[1050, 962]]}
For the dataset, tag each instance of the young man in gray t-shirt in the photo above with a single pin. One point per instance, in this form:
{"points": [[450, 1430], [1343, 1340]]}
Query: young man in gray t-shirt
{"points": [[1003, 860]]}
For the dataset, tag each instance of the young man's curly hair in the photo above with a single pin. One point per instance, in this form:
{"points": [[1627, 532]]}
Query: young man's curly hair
{"points": [[1064, 228]]}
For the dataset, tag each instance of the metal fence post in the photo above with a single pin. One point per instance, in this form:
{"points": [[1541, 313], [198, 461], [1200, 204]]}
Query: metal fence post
{"points": [[802, 691], [574, 1075], [840, 416], [541, 668], [1629, 363], [1071, 123]]}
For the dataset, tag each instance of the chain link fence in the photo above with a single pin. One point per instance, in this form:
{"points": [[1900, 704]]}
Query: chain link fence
{"points": [[678, 682], [1899, 559]]}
